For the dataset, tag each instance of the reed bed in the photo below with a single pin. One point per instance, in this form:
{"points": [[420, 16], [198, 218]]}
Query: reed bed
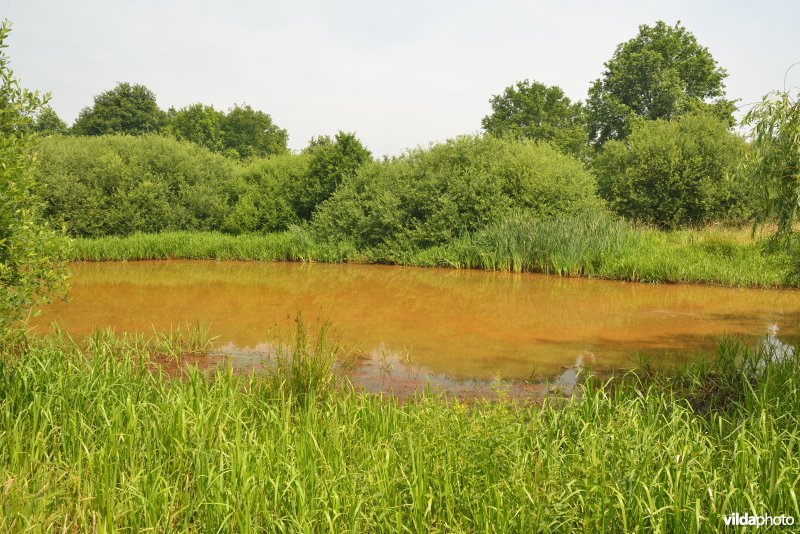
{"points": [[296, 244], [92, 440], [596, 245], [603, 246]]}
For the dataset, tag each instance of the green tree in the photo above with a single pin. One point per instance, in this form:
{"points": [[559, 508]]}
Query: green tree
{"points": [[534, 110], [31, 254], [675, 173], [774, 160], [659, 74], [49, 123], [199, 124], [252, 134], [331, 161], [127, 109]]}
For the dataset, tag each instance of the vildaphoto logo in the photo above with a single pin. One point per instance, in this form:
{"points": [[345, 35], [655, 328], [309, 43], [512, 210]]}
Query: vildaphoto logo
{"points": [[747, 520]]}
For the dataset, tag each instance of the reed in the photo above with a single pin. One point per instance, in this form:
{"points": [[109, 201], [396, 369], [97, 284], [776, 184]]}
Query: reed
{"points": [[295, 244], [91, 439], [589, 244], [602, 246]]}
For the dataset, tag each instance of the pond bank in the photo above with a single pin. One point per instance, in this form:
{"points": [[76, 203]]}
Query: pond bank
{"points": [[599, 249]]}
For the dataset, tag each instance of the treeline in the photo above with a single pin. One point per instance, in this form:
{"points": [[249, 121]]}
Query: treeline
{"points": [[131, 109], [653, 143]]}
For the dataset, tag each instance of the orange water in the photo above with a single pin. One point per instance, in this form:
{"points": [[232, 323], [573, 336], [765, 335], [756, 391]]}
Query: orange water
{"points": [[464, 324]]}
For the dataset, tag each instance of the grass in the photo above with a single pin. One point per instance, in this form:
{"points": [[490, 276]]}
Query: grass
{"points": [[599, 246], [296, 244], [92, 439], [611, 248]]}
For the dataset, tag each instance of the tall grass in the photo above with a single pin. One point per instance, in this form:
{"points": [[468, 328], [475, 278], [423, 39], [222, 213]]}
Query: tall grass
{"points": [[595, 244], [608, 247], [93, 440], [295, 244]]}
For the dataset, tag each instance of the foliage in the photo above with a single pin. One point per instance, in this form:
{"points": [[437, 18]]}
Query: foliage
{"points": [[199, 124], [534, 110], [125, 109], [249, 133], [31, 254], [295, 244], [428, 197], [241, 133], [600, 245], [773, 163], [331, 161], [49, 123], [675, 173], [117, 185], [264, 193], [659, 74], [92, 439]]}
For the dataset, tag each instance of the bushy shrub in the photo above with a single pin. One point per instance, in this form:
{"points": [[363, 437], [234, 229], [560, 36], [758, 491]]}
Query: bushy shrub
{"points": [[430, 196], [264, 194], [331, 161], [675, 173], [117, 185]]}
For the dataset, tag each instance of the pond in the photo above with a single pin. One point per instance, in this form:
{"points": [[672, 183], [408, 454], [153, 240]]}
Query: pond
{"points": [[460, 324]]}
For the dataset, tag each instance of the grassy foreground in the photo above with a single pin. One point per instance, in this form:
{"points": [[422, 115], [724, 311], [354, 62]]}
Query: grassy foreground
{"points": [[597, 246], [92, 439]]}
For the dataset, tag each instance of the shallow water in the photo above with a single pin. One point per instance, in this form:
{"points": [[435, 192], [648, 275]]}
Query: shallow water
{"points": [[458, 324]]}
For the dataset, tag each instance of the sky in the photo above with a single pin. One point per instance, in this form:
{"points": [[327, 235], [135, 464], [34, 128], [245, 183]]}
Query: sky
{"points": [[398, 74]]}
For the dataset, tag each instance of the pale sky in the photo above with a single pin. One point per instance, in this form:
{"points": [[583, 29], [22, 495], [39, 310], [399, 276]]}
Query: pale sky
{"points": [[399, 74]]}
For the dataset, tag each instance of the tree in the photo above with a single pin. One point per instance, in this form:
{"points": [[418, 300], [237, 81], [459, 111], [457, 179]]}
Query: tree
{"points": [[31, 255], [534, 110], [661, 73], [49, 123], [774, 160], [331, 161], [675, 173], [252, 134], [127, 109], [199, 124]]}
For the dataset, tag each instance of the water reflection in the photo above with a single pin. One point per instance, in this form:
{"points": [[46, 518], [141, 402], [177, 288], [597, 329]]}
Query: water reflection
{"points": [[460, 324]]}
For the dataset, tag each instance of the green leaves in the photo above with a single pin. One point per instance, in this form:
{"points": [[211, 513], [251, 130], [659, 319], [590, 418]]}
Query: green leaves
{"points": [[661, 73], [774, 161], [127, 109], [428, 197], [675, 173], [533, 110], [31, 255]]}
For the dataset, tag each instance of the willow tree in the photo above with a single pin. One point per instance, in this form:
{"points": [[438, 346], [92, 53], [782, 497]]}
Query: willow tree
{"points": [[31, 254], [774, 161]]}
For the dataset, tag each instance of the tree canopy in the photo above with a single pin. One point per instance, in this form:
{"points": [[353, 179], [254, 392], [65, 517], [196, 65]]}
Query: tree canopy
{"points": [[661, 73], [49, 123], [331, 161], [533, 110], [128, 109], [252, 134], [199, 124]]}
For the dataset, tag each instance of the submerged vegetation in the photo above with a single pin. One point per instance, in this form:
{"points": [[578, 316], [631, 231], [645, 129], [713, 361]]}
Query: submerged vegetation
{"points": [[94, 438]]}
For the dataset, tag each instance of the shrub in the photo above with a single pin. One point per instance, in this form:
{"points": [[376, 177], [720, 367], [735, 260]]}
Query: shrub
{"points": [[428, 197], [675, 173], [263, 194], [117, 185], [31, 254]]}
